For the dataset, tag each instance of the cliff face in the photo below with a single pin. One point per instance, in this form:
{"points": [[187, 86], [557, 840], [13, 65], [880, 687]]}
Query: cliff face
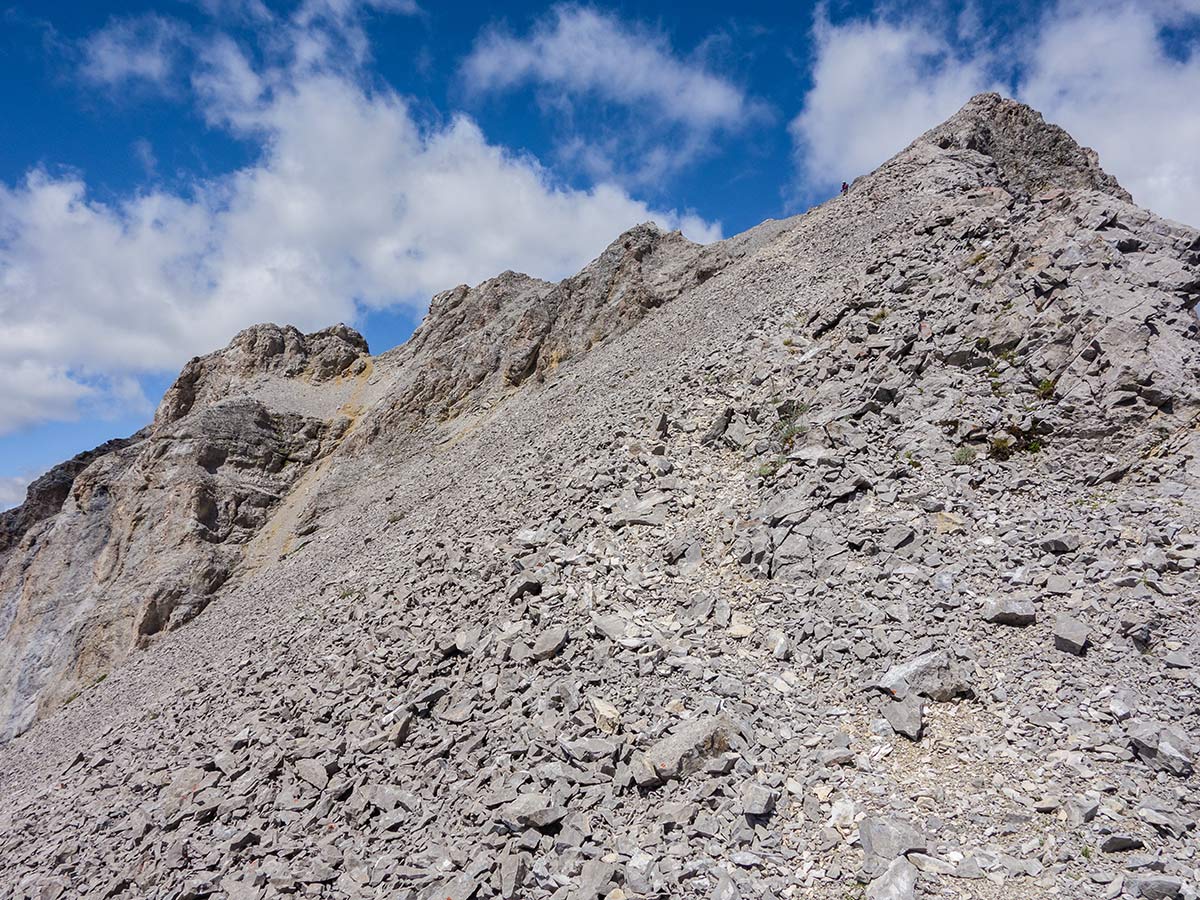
{"points": [[46, 495], [861, 548], [137, 535]]}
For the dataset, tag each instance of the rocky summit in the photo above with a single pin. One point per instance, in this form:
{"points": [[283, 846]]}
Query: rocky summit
{"points": [[855, 556]]}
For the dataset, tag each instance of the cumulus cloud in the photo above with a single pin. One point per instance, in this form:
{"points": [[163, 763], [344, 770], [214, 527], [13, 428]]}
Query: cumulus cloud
{"points": [[576, 53], [1102, 69], [352, 204], [134, 50], [877, 84], [32, 391], [583, 51]]}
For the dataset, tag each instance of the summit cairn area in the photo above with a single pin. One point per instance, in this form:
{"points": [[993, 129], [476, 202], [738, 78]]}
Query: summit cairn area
{"points": [[853, 556]]}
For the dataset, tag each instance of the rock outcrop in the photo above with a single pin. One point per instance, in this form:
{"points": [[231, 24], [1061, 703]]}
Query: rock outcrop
{"points": [[46, 495], [137, 535], [478, 343], [857, 555], [1028, 154]]}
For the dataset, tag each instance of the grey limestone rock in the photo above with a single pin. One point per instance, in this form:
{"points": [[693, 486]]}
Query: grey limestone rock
{"points": [[656, 581], [898, 882], [884, 840], [1010, 611], [906, 716], [935, 675], [685, 750], [1071, 635]]}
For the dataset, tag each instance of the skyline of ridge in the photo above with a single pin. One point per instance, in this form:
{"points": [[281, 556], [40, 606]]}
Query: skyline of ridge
{"points": [[193, 170]]}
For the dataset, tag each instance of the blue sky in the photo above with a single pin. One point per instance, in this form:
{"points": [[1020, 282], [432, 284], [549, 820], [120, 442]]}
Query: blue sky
{"points": [[175, 171]]}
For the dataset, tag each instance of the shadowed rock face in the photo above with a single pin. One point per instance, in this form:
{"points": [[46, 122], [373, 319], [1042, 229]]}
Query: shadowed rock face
{"points": [[46, 495], [137, 535], [660, 578]]}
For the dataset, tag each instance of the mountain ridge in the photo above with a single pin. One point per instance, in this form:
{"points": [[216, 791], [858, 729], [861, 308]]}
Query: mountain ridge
{"points": [[756, 474]]}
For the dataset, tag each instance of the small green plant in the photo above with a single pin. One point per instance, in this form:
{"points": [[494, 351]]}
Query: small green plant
{"points": [[1087, 852], [789, 433], [769, 468], [964, 456], [879, 316], [1000, 448], [1045, 389], [787, 342], [982, 343], [789, 427], [1033, 445]]}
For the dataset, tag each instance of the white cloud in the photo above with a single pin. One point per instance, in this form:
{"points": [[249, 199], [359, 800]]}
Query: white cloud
{"points": [[351, 204], [32, 391], [346, 10], [143, 152], [324, 31], [576, 53], [12, 491], [877, 84], [254, 11], [142, 49], [579, 50], [1100, 69], [1102, 72]]}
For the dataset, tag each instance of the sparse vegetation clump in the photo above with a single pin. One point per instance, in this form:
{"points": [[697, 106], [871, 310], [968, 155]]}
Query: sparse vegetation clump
{"points": [[1000, 447], [789, 427], [769, 468]]}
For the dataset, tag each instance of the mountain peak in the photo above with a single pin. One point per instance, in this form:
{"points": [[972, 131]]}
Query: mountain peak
{"points": [[1031, 154]]}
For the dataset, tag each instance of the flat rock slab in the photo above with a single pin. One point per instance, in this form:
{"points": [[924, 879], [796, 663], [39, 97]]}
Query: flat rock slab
{"points": [[884, 840], [906, 716], [549, 642], [898, 882], [934, 675], [1010, 611], [684, 751]]}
